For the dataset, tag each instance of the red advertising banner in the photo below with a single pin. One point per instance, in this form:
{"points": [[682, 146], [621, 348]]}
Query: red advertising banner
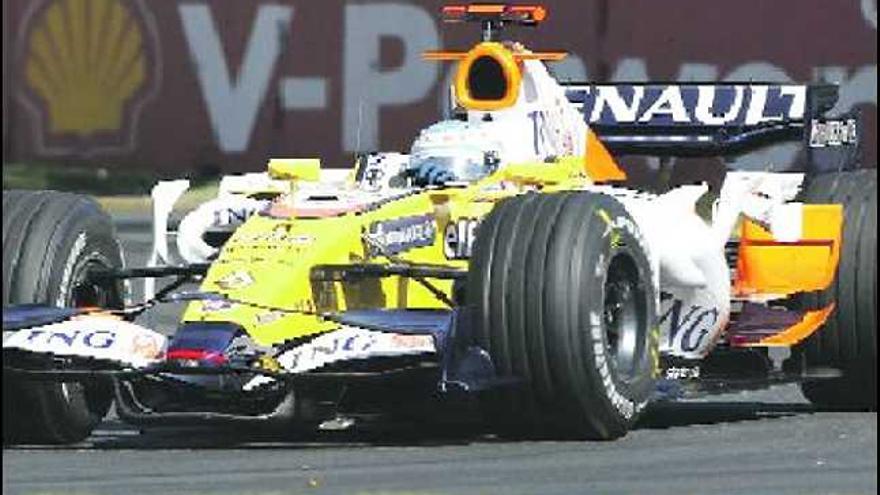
{"points": [[179, 85]]}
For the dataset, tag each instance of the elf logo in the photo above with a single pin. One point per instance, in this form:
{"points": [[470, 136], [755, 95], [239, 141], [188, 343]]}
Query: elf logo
{"points": [[459, 237]]}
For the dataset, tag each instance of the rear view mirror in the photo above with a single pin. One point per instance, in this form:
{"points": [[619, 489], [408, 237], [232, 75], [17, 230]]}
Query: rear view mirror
{"points": [[294, 169]]}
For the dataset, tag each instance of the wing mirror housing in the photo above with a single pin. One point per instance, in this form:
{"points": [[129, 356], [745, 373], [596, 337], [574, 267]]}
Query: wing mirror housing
{"points": [[295, 169]]}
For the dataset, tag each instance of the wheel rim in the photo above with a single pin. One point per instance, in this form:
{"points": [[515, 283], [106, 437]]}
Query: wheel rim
{"points": [[85, 292], [623, 320]]}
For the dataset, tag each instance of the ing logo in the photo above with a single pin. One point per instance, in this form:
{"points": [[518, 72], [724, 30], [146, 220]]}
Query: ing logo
{"points": [[87, 68]]}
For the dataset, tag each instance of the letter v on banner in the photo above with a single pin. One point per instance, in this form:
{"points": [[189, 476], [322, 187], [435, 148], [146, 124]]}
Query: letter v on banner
{"points": [[233, 101]]}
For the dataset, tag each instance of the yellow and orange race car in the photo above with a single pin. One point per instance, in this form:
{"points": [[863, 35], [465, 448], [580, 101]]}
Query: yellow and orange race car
{"points": [[500, 263]]}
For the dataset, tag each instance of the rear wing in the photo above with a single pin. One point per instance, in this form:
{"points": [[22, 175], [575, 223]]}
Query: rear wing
{"points": [[711, 119]]}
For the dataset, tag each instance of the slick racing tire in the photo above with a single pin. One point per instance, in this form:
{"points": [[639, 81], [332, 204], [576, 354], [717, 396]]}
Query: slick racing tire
{"points": [[51, 241], [848, 341], [561, 293]]}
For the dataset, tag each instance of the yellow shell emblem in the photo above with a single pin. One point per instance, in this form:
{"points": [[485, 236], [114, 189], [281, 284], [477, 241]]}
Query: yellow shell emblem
{"points": [[85, 59]]}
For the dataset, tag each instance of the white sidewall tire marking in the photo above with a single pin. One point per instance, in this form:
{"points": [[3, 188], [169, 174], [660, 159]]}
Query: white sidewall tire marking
{"points": [[64, 286]]}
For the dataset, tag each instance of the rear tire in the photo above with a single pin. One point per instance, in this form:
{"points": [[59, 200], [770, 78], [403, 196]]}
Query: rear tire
{"points": [[51, 241], [848, 341], [562, 295]]}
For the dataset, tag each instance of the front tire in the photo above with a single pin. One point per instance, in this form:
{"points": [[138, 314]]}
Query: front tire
{"points": [[51, 241], [562, 294]]}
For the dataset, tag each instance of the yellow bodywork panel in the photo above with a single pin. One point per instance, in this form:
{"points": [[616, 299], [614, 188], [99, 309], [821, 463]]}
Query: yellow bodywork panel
{"points": [[264, 268], [295, 169]]}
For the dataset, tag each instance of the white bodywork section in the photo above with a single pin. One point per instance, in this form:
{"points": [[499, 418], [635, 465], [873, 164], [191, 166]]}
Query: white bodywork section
{"points": [[94, 337], [688, 252], [219, 212], [690, 268], [347, 344], [542, 124], [350, 343]]}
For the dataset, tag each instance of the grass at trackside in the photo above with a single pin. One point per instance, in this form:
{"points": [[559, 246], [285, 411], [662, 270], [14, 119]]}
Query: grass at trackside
{"points": [[120, 192], [141, 204], [87, 180]]}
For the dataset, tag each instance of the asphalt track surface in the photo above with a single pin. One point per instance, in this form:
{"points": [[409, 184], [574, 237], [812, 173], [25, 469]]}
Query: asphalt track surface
{"points": [[769, 442]]}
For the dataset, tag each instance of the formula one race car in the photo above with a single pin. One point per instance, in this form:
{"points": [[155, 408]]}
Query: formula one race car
{"points": [[499, 270]]}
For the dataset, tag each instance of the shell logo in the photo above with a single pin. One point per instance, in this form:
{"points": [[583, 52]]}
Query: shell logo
{"points": [[88, 68]]}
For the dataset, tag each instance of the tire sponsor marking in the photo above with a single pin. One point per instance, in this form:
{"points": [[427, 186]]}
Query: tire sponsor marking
{"points": [[64, 287], [624, 406]]}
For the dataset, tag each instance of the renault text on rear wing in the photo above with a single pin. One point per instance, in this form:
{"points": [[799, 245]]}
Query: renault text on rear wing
{"points": [[682, 119]]}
